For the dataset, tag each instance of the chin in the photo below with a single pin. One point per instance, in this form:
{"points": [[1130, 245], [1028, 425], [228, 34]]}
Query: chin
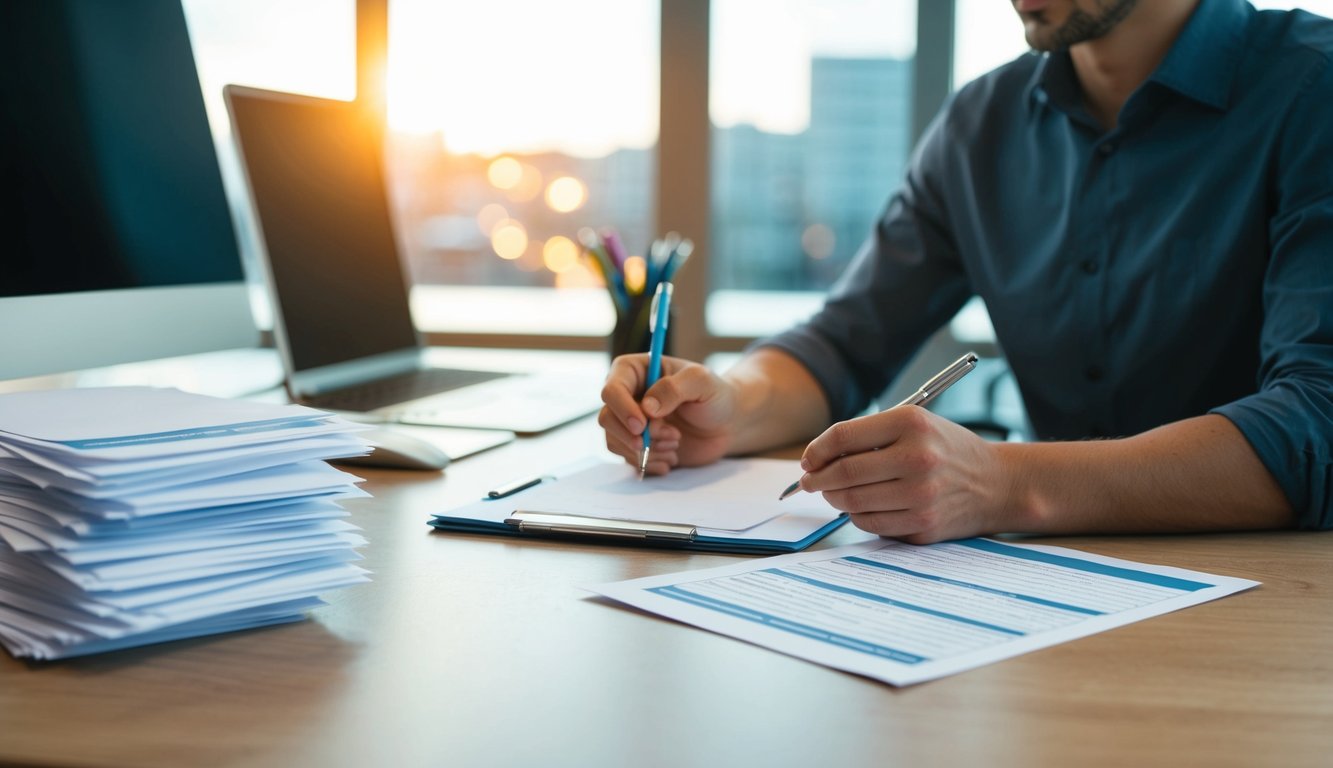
{"points": [[1042, 36], [1035, 39], [1042, 45], [1041, 29]]}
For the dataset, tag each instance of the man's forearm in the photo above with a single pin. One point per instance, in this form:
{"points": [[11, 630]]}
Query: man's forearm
{"points": [[1197, 474], [778, 402]]}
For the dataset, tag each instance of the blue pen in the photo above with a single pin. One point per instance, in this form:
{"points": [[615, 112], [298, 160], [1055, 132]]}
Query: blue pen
{"points": [[655, 260], [657, 321], [678, 255]]}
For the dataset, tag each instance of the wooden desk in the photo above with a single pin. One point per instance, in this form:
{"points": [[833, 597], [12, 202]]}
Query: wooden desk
{"points": [[468, 650]]}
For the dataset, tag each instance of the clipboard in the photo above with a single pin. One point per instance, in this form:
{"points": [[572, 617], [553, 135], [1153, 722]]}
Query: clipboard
{"points": [[509, 511]]}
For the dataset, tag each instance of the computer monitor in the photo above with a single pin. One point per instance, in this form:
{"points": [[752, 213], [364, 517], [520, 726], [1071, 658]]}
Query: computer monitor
{"points": [[116, 243]]}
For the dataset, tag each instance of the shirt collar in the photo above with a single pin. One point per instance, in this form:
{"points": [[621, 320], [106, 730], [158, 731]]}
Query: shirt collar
{"points": [[1201, 64]]}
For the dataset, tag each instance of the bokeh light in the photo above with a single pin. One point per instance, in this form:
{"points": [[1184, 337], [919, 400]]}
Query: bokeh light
{"points": [[504, 172], [509, 239], [560, 254], [636, 274], [818, 241], [566, 194]]}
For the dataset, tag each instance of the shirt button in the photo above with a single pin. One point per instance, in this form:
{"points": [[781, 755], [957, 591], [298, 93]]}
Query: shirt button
{"points": [[1093, 373], [1089, 266], [1106, 149]]}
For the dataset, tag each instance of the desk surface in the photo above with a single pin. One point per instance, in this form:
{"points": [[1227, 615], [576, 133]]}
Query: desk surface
{"points": [[469, 650]]}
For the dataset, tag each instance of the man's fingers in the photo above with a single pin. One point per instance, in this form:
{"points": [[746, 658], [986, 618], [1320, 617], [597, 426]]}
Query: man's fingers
{"points": [[680, 403], [622, 442], [660, 464], [911, 527], [894, 463], [689, 384], [619, 440], [620, 392], [863, 434]]}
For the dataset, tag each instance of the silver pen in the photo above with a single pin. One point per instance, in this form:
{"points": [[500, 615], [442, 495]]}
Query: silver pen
{"points": [[927, 392]]}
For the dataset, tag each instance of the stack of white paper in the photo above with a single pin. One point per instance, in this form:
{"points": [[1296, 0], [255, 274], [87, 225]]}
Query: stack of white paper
{"points": [[134, 515]]}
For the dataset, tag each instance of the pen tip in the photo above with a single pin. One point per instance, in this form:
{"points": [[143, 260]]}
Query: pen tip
{"points": [[791, 489]]}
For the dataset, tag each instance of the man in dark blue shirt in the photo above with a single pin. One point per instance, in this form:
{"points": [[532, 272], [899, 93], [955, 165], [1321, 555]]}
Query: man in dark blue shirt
{"points": [[1145, 203]]}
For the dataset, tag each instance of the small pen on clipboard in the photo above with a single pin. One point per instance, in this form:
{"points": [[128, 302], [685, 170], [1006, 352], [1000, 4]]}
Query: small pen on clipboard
{"points": [[924, 394], [518, 485]]}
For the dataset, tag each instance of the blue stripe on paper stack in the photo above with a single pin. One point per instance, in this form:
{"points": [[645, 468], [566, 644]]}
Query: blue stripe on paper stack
{"points": [[136, 515]]}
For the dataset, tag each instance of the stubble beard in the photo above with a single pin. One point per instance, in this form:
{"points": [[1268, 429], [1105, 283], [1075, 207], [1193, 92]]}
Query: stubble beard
{"points": [[1082, 26]]}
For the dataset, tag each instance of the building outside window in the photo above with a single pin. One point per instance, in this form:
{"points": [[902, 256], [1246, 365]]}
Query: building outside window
{"points": [[811, 107]]}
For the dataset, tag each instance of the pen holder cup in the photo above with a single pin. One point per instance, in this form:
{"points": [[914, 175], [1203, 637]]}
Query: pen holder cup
{"points": [[631, 333]]}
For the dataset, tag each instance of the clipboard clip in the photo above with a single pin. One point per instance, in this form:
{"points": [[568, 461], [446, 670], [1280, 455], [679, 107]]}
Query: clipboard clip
{"points": [[531, 521]]}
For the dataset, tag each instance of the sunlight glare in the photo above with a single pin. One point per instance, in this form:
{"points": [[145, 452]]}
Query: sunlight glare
{"points": [[566, 194], [525, 75]]}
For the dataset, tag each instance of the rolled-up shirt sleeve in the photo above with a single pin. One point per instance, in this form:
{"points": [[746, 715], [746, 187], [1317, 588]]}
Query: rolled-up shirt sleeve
{"points": [[903, 284], [1289, 420]]}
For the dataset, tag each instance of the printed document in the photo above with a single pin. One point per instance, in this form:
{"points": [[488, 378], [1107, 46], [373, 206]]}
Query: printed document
{"points": [[904, 614]]}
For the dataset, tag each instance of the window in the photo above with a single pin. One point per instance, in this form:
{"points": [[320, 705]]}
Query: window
{"points": [[302, 46], [987, 34], [512, 124], [810, 104]]}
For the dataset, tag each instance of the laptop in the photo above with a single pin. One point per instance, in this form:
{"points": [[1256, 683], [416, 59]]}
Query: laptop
{"points": [[339, 288]]}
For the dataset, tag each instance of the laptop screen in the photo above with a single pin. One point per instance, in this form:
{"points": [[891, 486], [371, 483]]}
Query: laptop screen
{"points": [[316, 179]]}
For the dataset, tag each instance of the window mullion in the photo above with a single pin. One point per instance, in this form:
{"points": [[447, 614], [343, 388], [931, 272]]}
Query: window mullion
{"points": [[932, 72], [683, 164]]}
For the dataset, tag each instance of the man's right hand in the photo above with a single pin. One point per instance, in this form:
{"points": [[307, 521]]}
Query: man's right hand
{"points": [[690, 413]]}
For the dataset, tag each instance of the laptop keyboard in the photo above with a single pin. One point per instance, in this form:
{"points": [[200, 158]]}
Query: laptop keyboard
{"points": [[399, 389]]}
